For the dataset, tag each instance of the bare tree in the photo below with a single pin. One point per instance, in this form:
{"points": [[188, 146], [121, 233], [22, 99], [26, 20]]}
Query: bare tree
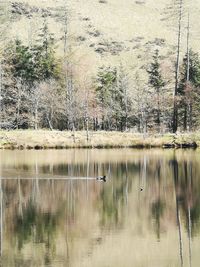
{"points": [[35, 96], [86, 111], [177, 66], [123, 89], [142, 102], [71, 101], [19, 105], [52, 104], [188, 96], [65, 24]]}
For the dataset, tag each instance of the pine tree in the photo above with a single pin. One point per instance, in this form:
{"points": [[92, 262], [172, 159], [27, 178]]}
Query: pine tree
{"points": [[33, 64], [20, 61], [105, 83], [24, 68], [44, 55], [189, 90], [122, 101], [157, 82]]}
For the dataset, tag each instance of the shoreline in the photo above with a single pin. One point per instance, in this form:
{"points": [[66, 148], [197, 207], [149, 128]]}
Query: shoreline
{"points": [[45, 139]]}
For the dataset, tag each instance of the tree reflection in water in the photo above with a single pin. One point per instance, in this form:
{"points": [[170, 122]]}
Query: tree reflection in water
{"points": [[50, 222]]}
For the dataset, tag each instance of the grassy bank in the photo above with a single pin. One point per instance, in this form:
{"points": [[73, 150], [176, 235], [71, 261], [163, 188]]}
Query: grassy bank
{"points": [[44, 139]]}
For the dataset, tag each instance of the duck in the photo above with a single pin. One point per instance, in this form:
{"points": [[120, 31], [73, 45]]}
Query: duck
{"points": [[101, 178]]}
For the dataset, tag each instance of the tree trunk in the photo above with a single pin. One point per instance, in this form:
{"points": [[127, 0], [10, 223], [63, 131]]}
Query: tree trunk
{"points": [[126, 111], [185, 117], [175, 108], [189, 101], [49, 122], [18, 107], [65, 32], [87, 130], [86, 115], [158, 114], [36, 117]]}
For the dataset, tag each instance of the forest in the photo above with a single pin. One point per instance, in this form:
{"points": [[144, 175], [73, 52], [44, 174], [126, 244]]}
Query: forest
{"points": [[99, 133], [41, 89]]}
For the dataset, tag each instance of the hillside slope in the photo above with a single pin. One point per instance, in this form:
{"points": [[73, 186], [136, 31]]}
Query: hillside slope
{"points": [[107, 31]]}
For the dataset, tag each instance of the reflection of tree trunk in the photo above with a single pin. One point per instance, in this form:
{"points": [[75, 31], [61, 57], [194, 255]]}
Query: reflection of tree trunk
{"points": [[144, 171], [179, 230], [159, 198], [72, 201], [175, 176], [67, 231], [189, 236], [126, 190], [67, 244], [53, 186], [87, 173], [20, 198], [36, 183], [189, 215]]}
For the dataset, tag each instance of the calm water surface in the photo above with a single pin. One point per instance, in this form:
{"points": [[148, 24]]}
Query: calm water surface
{"points": [[146, 215]]}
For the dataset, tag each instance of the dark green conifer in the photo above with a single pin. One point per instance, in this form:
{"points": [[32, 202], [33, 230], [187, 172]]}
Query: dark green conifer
{"points": [[157, 83]]}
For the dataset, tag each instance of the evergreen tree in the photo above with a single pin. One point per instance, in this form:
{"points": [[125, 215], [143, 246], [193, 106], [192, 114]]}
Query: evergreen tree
{"points": [[122, 101], [33, 64], [106, 81], [157, 82], [44, 54], [112, 96], [24, 68], [19, 62], [189, 91]]}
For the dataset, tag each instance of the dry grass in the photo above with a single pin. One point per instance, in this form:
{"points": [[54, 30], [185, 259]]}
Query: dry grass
{"points": [[117, 20], [44, 139]]}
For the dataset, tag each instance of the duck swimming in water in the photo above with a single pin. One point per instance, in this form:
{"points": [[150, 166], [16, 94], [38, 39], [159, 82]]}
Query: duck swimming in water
{"points": [[101, 178]]}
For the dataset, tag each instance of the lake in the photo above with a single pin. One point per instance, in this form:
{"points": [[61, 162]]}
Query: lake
{"points": [[53, 212]]}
